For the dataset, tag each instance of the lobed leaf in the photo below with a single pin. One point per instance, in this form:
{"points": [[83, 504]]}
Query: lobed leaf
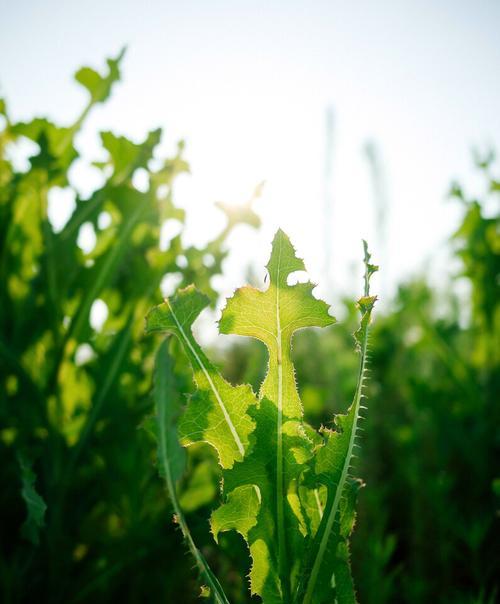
{"points": [[282, 444], [273, 316], [286, 489], [98, 86], [218, 412]]}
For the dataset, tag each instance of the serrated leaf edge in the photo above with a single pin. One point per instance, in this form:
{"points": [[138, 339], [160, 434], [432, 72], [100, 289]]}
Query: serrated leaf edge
{"points": [[311, 583]]}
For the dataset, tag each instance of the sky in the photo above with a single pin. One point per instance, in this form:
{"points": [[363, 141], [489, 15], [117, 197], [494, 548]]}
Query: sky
{"points": [[247, 85]]}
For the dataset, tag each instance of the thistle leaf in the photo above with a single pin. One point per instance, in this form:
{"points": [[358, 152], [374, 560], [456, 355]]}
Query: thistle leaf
{"points": [[273, 316], [218, 412], [238, 513], [260, 525], [342, 577], [282, 446], [286, 489], [328, 552]]}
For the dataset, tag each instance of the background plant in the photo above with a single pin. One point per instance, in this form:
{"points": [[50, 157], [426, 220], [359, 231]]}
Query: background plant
{"points": [[74, 391]]}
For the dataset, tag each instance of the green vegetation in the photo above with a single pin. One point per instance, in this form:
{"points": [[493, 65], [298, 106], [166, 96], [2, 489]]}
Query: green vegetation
{"points": [[283, 482], [84, 430], [74, 392]]}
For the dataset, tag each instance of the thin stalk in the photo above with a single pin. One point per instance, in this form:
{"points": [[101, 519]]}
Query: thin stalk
{"points": [[163, 420]]}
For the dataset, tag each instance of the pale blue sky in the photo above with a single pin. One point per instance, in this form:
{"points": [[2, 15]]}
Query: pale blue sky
{"points": [[246, 85]]}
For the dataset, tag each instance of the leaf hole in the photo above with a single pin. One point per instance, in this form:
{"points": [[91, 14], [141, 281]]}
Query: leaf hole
{"points": [[297, 277]]}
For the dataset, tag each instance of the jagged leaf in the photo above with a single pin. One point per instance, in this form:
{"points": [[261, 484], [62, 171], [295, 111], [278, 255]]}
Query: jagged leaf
{"points": [[286, 489], [282, 445], [238, 513], [332, 467], [126, 156], [273, 316], [218, 412], [98, 86], [259, 471]]}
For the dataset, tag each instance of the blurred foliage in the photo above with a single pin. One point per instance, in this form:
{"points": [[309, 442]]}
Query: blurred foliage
{"points": [[77, 476], [84, 514]]}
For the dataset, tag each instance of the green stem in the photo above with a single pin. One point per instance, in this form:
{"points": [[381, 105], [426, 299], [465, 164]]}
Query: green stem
{"points": [[163, 421], [280, 495], [329, 518]]}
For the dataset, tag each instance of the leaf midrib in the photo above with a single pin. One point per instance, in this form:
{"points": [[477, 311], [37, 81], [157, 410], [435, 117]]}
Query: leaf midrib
{"points": [[279, 449], [217, 395]]}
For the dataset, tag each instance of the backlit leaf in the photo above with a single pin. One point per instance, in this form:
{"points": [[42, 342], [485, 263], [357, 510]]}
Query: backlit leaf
{"points": [[218, 412]]}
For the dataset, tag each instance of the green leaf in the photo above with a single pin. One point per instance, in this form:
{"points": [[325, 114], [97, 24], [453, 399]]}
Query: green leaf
{"points": [[218, 412], [56, 149], [332, 466], [273, 316], [126, 156], [171, 454], [171, 457], [286, 487], [343, 582], [99, 86], [35, 504], [258, 472], [238, 513], [282, 445]]}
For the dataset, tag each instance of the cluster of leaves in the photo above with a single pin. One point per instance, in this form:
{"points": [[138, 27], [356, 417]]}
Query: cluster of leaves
{"points": [[286, 488], [83, 513], [73, 390], [428, 524]]}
